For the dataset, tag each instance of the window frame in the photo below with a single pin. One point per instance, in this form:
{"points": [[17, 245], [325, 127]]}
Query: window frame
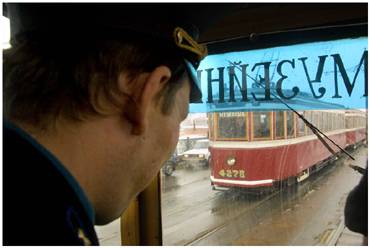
{"points": [[217, 138], [271, 127], [286, 125], [298, 133], [275, 127]]}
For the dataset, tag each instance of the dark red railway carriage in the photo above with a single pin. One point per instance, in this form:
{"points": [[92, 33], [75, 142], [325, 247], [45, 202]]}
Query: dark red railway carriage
{"points": [[265, 148]]}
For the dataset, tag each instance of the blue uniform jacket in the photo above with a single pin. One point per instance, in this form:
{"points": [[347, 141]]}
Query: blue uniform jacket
{"points": [[42, 203]]}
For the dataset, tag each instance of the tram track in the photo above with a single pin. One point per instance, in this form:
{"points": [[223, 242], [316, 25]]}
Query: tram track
{"points": [[210, 231], [301, 191]]}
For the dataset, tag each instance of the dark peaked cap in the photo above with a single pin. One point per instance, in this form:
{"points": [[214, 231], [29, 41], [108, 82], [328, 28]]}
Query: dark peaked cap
{"points": [[60, 22], [147, 17]]}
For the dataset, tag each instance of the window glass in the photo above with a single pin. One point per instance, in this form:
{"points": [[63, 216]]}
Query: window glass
{"points": [[349, 122], [320, 123], [335, 121], [325, 120], [231, 125], [261, 125], [309, 116], [300, 126], [279, 124], [343, 121], [290, 124], [353, 122], [198, 213], [339, 121], [315, 118], [252, 186]]}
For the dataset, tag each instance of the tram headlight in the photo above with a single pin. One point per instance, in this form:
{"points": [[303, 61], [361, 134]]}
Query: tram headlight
{"points": [[231, 161], [186, 155], [200, 155]]}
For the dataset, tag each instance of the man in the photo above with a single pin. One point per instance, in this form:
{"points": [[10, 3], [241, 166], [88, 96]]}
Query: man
{"points": [[356, 208], [93, 98]]}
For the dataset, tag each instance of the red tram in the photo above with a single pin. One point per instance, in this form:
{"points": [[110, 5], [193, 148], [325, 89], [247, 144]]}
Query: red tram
{"points": [[265, 148]]}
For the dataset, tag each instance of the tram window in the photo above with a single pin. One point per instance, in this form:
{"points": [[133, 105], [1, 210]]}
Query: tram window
{"points": [[335, 121], [320, 120], [339, 121], [329, 121], [325, 121], [290, 124], [261, 125], [279, 124], [231, 125], [343, 121], [349, 122], [211, 126], [353, 125], [353, 122], [314, 118], [308, 116], [300, 126]]}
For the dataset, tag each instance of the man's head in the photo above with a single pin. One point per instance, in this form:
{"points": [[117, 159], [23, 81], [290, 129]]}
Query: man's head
{"points": [[89, 46], [46, 81], [118, 93]]}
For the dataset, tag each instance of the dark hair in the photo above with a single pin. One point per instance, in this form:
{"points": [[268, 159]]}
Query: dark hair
{"points": [[43, 80]]}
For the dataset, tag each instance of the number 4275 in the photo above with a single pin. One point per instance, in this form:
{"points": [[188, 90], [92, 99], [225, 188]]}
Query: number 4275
{"points": [[232, 173]]}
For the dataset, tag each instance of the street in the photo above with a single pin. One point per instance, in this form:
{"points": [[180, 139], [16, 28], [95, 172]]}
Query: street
{"points": [[304, 214]]}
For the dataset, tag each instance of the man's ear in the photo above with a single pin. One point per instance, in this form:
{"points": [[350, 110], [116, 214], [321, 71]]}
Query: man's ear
{"points": [[148, 86]]}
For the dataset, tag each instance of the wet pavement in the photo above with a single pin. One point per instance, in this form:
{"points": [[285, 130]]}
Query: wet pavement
{"points": [[305, 214]]}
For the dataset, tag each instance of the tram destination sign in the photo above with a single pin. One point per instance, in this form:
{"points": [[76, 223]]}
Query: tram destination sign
{"points": [[320, 75]]}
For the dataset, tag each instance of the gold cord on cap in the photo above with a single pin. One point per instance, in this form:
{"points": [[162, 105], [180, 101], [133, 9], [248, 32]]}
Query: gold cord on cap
{"points": [[185, 41]]}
